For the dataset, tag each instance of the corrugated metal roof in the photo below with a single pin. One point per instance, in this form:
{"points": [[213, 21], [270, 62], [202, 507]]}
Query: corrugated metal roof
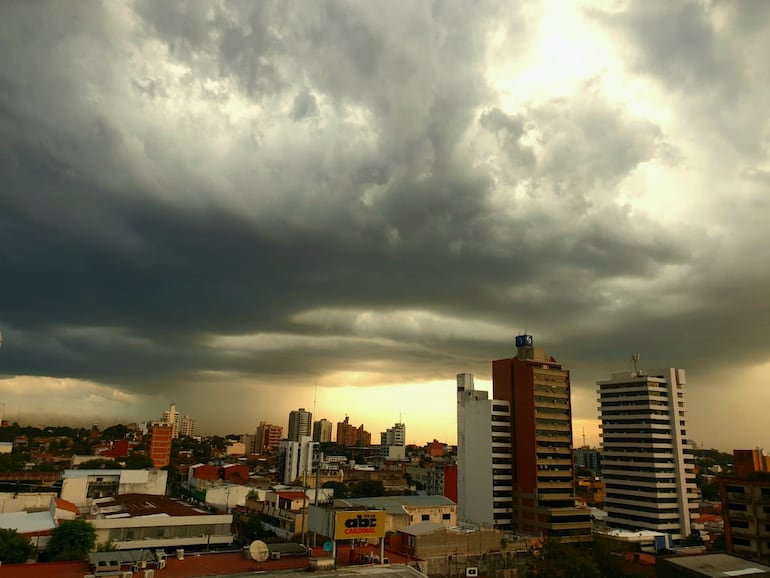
{"points": [[396, 504]]}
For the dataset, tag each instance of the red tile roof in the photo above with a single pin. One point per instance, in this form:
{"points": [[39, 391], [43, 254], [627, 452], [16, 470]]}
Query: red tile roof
{"points": [[67, 505]]}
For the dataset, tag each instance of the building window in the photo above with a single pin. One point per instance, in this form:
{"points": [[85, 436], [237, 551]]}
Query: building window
{"points": [[426, 517], [446, 516]]}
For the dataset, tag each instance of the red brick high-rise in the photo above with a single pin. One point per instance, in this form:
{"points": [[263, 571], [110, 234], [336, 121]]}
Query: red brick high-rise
{"points": [[542, 470], [161, 434]]}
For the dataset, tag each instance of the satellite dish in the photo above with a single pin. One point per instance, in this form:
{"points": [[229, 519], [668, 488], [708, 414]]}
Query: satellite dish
{"points": [[258, 551]]}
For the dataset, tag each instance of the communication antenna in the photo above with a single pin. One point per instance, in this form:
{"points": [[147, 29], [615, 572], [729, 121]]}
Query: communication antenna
{"points": [[635, 361], [584, 436]]}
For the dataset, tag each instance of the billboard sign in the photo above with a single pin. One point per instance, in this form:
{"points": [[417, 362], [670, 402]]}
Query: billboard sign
{"points": [[350, 525]]}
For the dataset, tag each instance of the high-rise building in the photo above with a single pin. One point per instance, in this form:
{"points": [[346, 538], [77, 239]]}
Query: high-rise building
{"points": [[297, 460], [187, 427], [483, 438], [393, 442], [300, 423], [161, 434], [647, 462], [171, 417], [537, 390], [746, 505], [267, 438], [350, 435], [322, 431]]}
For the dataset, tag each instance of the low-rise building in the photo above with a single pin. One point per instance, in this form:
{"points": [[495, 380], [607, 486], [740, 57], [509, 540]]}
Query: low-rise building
{"points": [[403, 511], [746, 516], [38, 525], [709, 566], [82, 486], [284, 511], [154, 521]]}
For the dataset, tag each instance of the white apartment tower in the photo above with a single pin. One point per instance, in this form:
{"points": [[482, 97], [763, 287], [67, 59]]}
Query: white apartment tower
{"points": [[171, 417], [300, 423], [483, 457], [393, 442], [298, 459], [187, 427], [647, 462]]}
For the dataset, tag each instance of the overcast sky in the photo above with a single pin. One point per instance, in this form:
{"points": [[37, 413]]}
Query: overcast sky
{"points": [[227, 204]]}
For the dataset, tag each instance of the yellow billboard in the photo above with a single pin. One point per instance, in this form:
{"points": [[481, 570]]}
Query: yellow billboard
{"points": [[350, 525]]}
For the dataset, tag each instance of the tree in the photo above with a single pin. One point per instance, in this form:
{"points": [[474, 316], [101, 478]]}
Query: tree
{"points": [[115, 432], [14, 548], [558, 560], [367, 489], [340, 489], [139, 462], [72, 540], [108, 546], [12, 462]]}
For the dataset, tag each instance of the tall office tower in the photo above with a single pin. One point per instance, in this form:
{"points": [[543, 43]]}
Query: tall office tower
{"points": [[393, 442], [171, 416], [647, 464], [542, 472], [267, 438], [187, 427], [322, 431], [161, 434], [300, 423]]}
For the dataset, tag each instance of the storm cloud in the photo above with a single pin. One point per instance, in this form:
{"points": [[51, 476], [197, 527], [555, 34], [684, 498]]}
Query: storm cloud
{"points": [[253, 198]]}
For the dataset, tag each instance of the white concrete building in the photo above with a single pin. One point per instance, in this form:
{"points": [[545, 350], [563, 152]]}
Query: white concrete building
{"points": [[81, 487], [133, 521], [393, 442], [171, 416], [38, 525], [483, 456], [298, 458], [647, 463]]}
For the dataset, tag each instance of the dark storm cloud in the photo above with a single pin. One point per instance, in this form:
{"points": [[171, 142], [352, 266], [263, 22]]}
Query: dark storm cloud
{"points": [[223, 189]]}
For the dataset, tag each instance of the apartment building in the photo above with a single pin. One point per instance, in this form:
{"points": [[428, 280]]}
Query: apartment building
{"points": [[647, 461], [746, 506], [161, 435], [537, 391], [322, 431], [300, 424]]}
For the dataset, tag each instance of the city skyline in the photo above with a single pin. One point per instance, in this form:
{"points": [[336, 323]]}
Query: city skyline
{"points": [[249, 208]]}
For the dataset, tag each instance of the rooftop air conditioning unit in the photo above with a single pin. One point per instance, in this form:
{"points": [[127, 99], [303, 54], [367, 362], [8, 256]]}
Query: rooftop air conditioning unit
{"points": [[275, 555]]}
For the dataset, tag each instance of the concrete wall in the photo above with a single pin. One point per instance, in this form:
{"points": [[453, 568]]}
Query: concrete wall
{"points": [[493, 565], [12, 502]]}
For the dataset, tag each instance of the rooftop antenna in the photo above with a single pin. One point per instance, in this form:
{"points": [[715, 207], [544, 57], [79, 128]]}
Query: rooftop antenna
{"points": [[635, 361], [584, 436]]}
